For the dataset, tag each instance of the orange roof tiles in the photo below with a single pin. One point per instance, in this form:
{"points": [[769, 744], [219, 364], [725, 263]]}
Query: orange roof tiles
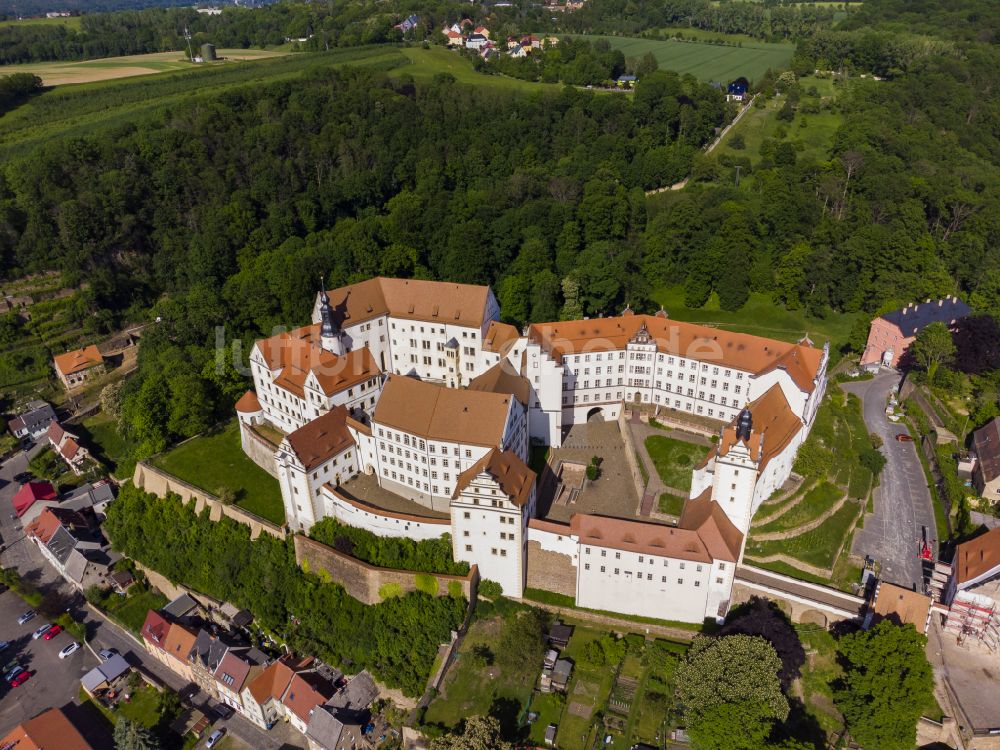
{"points": [[78, 360], [416, 299], [49, 730], [977, 556], [507, 469], [50, 519], [179, 642], [907, 606], [435, 412], [644, 537], [774, 424], [500, 337], [155, 628], [274, 681], [248, 403], [740, 351], [298, 353], [503, 378], [321, 439], [720, 536], [305, 692]]}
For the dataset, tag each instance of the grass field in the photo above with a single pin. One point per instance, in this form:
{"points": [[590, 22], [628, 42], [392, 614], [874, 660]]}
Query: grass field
{"points": [[70, 22], [768, 319], [424, 64], [672, 505], [674, 460], [131, 610], [100, 433], [814, 503], [217, 460], [59, 73], [708, 62]]}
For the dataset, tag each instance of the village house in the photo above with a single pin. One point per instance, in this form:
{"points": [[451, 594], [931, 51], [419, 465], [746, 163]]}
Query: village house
{"points": [[67, 447], [70, 543], [30, 494], [973, 591], [986, 474], [78, 366], [237, 668], [337, 724], [262, 696], [33, 421], [49, 729], [891, 334]]}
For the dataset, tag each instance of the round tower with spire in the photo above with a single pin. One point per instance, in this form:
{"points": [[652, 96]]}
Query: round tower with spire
{"points": [[329, 332]]}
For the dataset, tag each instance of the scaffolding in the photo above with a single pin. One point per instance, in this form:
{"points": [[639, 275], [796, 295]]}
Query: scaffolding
{"points": [[975, 620]]}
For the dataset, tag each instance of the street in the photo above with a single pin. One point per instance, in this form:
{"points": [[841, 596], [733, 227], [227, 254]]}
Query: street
{"points": [[902, 501], [23, 555]]}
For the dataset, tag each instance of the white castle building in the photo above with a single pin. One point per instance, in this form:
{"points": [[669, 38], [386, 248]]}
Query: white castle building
{"points": [[418, 385]]}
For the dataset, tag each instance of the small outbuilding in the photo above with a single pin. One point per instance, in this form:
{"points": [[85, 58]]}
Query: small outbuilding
{"points": [[105, 674]]}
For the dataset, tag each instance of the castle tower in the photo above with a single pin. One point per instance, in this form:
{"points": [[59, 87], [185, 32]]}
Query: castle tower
{"points": [[330, 338], [735, 475]]}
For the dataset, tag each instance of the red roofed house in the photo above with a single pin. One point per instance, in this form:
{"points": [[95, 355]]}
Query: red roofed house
{"points": [[67, 445], [986, 474], [50, 730], [973, 591], [76, 367], [891, 334], [31, 493], [263, 695], [154, 635], [306, 691]]}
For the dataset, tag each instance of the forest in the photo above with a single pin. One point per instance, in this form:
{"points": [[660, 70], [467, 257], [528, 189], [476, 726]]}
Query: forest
{"points": [[397, 639]]}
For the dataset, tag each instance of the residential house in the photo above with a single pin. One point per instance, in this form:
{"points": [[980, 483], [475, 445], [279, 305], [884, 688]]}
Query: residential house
{"points": [[76, 367], [973, 591], [338, 723], [154, 635], [986, 474], [476, 42], [890, 335], [455, 38], [206, 655], [407, 24], [49, 729], [482, 30], [177, 647], [625, 82], [531, 42], [121, 581], [262, 696], [306, 692], [517, 51], [95, 497], [105, 674], [68, 541], [237, 668], [67, 446], [31, 493], [33, 421]]}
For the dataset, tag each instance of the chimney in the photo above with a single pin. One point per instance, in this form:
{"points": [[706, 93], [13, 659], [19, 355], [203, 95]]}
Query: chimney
{"points": [[940, 303], [905, 309]]}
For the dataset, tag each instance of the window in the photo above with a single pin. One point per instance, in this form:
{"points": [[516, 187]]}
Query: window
{"points": [[616, 571], [602, 568], [468, 548], [466, 515], [718, 580], [586, 566], [680, 581], [697, 584]]}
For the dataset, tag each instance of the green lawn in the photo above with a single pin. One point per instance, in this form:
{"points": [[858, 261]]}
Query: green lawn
{"points": [[143, 707], [424, 64], [549, 707], [817, 547], [760, 316], [814, 503], [709, 62], [674, 459], [589, 687], [101, 435], [217, 460], [131, 610], [70, 22], [671, 504], [467, 691]]}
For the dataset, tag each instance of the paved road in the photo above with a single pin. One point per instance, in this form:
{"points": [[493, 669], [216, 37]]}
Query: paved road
{"points": [[101, 633], [902, 500]]}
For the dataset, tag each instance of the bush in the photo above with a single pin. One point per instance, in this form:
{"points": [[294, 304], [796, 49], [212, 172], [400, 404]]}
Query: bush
{"points": [[426, 583], [387, 590], [427, 556], [455, 589], [489, 589], [593, 472]]}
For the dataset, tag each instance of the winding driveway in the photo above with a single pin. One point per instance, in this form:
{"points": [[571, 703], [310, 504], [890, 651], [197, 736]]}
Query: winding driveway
{"points": [[892, 533]]}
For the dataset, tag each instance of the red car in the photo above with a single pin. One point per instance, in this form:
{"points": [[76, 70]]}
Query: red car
{"points": [[52, 632], [20, 679], [903, 438]]}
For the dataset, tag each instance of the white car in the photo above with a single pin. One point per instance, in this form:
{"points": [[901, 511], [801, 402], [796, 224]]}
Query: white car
{"points": [[71, 648], [107, 653], [213, 738], [25, 617], [40, 632]]}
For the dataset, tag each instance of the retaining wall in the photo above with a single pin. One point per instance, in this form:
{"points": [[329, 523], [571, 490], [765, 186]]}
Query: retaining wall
{"points": [[550, 571], [363, 581], [159, 482], [258, 449]]}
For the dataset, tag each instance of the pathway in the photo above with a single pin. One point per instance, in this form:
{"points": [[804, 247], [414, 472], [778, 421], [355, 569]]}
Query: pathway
{"points": [[902, 501]]}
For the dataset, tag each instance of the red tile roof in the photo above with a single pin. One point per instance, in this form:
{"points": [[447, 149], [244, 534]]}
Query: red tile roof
{"points": [[25, 497], [318, 441], [511, 473], [305, 692], [50, 519], [977, 556], [774, 425], [155, 629], [79, 360], [248, 403], [50, 730]]}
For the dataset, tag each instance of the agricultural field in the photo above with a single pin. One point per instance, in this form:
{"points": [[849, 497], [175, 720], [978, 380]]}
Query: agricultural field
{"points": [[708, 62], [70, 22], [59, 73]]}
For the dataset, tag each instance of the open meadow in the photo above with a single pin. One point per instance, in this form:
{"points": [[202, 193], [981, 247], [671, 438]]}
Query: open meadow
{"points": [[59, 73], [70, 22], [708, 62]]}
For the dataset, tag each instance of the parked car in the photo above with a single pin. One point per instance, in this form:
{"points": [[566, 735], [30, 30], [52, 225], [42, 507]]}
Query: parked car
{"points": [[12, 674], [10, 670], [25, 617], [214, 738], [223, 711], [904, 438], [24, 476], [3, 645], [40, 632], [70, 649], [107, 653], [21, 678], [52, 632]]}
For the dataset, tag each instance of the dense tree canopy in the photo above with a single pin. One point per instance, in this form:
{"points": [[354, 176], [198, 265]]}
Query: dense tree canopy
{"points": [[887, 684], [397, 639]]}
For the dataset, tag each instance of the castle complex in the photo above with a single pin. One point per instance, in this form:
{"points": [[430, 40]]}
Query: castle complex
{"points": [[418, 386]]}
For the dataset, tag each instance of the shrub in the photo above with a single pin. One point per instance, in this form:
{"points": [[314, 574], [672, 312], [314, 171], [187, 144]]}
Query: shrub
{"points": [[387, 590], [454, 589], [593, 472], [426, 583], [427, 556], [489, 589]]}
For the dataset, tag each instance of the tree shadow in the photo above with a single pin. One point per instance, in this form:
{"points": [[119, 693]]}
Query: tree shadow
{"points": [[762, 617], [508, 712]]}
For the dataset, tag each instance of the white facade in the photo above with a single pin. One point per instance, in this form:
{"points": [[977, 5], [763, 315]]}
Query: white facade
{"points": [[382, 522], [302, 489], [491, 531]]}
